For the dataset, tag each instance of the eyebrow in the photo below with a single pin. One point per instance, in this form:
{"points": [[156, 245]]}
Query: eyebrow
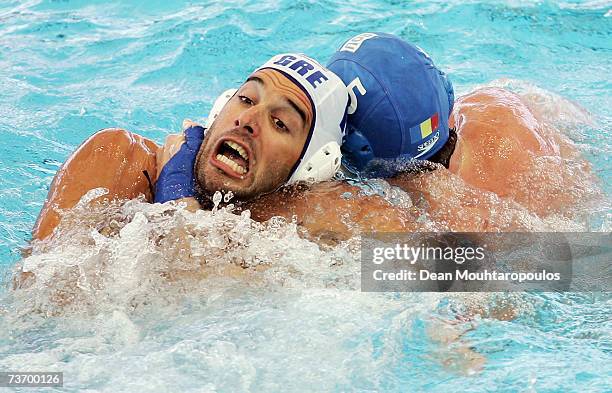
{"points": [[293, 104]]}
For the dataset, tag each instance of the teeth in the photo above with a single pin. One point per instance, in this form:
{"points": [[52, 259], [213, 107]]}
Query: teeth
{"points": [[239, 149], [235, 166]]}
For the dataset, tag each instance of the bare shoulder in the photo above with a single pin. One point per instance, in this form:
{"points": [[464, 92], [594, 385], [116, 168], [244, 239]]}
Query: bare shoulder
{"points": [[111, 158], [496, 131], [496, 112], [504, 147]]}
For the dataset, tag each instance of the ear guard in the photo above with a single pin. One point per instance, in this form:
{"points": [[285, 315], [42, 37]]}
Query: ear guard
{"points": [[218, 105]]}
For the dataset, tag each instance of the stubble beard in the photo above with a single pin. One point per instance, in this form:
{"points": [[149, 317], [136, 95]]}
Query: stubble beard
{"points": [[204, 191]]}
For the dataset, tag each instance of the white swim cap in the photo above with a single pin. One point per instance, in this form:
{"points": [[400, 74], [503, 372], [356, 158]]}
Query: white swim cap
{"points": [[321, 157], [218, 106]]}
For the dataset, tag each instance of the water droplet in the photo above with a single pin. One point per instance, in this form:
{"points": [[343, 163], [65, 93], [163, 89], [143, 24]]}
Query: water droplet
{"points": [[90, 196], [217, 197]]}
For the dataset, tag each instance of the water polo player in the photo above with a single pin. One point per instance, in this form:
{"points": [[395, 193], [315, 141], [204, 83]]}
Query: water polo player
{"points": [[283, 125], [402, 111], [500, 147], [403, 108]]}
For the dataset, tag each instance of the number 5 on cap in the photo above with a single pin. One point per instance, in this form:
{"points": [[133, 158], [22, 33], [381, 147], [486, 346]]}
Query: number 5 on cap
{"points": [[362, 91]]}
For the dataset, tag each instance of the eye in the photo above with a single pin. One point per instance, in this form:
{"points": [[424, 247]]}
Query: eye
{"points": [[278, 123], [246, 100]]}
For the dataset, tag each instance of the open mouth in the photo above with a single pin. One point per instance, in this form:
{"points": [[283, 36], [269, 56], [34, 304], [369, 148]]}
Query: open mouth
{"points": [[232, 157]]}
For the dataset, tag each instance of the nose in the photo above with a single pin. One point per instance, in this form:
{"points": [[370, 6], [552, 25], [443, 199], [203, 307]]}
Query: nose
{"points": [[247, 120]]}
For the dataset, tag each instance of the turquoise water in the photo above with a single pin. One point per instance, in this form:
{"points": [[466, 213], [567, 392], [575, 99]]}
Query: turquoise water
{"points": [[69, 68]]}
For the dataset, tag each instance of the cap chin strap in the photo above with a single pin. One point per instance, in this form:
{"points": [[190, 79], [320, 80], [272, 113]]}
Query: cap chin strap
{"points": [[321, 166]]}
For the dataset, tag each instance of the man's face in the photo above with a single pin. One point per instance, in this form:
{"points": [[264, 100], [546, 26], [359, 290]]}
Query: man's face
{"points": [[257, 138]]}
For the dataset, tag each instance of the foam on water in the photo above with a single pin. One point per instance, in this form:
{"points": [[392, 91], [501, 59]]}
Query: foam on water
{"points": [[117, 254], [137, 279]]}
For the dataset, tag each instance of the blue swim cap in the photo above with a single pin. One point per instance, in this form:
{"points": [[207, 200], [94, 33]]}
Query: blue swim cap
{"points": [[399, 101]]}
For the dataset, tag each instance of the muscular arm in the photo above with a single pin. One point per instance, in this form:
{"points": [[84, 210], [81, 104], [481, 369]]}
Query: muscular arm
{"points": [[112, 158], [332, 211]]}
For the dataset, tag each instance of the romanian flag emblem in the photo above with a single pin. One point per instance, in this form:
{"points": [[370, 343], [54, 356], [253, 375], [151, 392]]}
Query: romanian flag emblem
{"points": [[428, 126], [424, 129]]}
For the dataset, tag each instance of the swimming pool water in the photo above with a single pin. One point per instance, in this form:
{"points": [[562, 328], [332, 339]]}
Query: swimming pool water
{"points": [[69, 68]]}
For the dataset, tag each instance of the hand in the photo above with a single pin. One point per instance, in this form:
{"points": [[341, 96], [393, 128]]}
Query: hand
{"points": [[176, 179]]}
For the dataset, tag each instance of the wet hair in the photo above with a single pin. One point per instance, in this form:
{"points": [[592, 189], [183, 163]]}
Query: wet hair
{"points": [[443, 155]]}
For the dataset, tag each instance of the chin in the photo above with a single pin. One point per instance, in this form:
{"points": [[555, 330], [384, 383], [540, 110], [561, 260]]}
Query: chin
{"points": [[215, 181]]}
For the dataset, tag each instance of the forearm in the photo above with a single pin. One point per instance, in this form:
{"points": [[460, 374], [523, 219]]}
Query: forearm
{"points": [[334, 211]]}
